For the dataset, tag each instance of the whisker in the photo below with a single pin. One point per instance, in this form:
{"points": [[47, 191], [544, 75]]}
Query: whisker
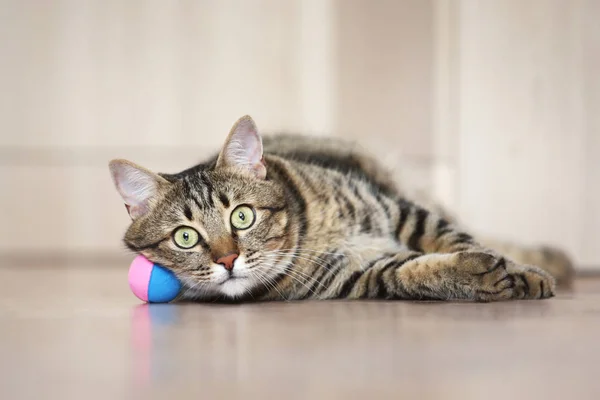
{"points": [[297, 276], [269, 283]]}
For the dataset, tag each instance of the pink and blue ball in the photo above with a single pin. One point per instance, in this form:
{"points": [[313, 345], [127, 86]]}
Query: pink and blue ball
{"points": [[152, 283]]}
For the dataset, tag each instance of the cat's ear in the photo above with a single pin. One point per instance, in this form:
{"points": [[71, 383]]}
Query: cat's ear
{"points": [[243, 149], [138, 186]]}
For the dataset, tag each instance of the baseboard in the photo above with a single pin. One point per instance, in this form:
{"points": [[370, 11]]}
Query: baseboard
{"points": [[68, 259]]}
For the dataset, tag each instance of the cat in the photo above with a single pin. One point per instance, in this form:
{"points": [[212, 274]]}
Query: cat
{"points": [[293, 218]]}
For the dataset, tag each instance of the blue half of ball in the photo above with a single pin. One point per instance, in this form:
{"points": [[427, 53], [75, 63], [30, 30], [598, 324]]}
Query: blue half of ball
{"points": [[163, 286]]}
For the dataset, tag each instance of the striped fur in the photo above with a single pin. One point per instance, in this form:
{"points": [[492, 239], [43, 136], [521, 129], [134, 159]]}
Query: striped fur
{"points": [[330, 224]]}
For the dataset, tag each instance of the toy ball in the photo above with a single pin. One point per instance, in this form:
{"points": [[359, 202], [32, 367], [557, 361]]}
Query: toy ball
{"points": [[152, 283]]}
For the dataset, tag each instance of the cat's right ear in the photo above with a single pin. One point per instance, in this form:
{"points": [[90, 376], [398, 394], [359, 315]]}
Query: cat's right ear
{"points": [[243, 149], [137, 186]]}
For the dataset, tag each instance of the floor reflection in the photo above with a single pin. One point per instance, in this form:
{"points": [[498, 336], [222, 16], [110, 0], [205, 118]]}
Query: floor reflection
{"points": [[150, 347], [272, 347]]}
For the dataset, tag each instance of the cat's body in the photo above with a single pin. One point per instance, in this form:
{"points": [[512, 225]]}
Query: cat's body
{"points": [[308, 219], [348, 157]]}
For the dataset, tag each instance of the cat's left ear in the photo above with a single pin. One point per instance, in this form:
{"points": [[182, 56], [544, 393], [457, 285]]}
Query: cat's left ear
{"points": [[243, 149]]}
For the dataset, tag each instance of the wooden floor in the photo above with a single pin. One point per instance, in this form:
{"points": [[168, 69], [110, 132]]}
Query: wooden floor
{"points": [[77, 333]]}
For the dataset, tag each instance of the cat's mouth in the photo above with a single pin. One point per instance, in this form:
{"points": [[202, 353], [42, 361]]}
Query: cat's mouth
{"points": [[232, 278]]}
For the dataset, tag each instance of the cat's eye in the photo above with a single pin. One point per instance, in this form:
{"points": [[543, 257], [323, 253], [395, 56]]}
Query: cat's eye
{"points": [[242, 217], [186, 237]]}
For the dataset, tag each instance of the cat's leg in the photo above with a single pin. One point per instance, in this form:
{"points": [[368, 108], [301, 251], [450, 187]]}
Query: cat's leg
{"points": [[464, 275], [425, 232], [551, 259]]}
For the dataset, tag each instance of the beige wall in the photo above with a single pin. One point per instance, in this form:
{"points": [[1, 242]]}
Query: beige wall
{"points": [[492, 105], [384, 83], [528, 135], [157, 82]]}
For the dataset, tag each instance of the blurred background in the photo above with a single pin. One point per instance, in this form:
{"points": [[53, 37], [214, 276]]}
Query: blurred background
{"points": [[492, 106]]}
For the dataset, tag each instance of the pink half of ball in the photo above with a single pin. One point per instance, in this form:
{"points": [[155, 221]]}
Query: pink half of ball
{"points": [[140, 272]]}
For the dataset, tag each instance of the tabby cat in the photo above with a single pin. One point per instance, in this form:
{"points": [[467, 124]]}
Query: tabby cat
{"points": [[307, 218]]}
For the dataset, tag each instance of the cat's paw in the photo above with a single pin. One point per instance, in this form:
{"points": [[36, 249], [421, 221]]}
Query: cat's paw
{"points": [[487, 276], [532, 282]]}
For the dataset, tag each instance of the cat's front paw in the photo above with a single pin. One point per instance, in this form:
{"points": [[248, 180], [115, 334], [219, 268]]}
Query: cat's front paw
{"points": [[487, 276], [495, 278], [532, 282]]}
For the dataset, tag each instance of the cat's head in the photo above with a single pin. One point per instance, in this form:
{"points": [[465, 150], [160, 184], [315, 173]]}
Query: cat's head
{"points": [[223, 229]]}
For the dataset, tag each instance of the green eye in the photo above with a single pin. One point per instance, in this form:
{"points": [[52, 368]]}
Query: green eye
{"points": [[242, 217], [186, 237]]}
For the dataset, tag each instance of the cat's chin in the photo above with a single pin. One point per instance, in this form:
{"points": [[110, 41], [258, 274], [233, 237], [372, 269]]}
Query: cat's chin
{"points": [[235, 287]]}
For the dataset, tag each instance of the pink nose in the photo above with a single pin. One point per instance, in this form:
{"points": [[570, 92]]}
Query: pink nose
{"points": [[227, 261]]}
